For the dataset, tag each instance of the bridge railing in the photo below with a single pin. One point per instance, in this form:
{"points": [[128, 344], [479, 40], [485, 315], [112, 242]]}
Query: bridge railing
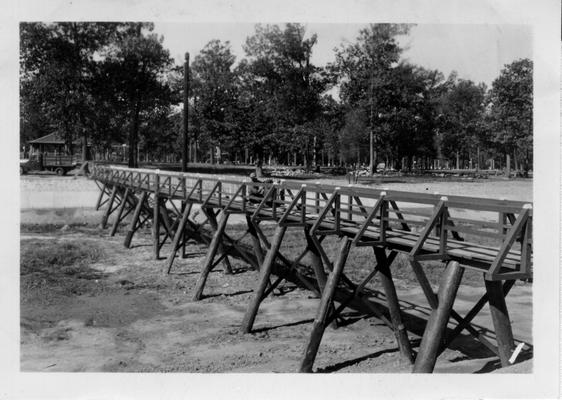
{"points": [[487, 234]]}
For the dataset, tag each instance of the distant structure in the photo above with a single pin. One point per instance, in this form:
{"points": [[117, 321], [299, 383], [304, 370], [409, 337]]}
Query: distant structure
{"points": [[53, 143]]}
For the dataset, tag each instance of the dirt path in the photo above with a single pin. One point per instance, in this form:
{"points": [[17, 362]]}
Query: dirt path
{"points": [[120, 313]]}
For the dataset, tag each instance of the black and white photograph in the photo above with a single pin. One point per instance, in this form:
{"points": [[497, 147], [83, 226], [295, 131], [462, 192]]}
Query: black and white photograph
{"points": [[232, 199]]}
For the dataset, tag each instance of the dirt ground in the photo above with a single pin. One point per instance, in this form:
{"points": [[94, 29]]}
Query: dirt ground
{"points": [[89, 304]]}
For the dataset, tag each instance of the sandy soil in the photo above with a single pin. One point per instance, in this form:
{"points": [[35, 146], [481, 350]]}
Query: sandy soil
{"points": [[121, 313]]}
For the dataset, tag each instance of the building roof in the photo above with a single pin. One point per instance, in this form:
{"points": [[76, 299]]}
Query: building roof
{"points": [[52, 138]]}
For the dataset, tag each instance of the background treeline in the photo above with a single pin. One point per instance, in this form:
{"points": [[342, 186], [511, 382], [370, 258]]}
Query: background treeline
{"points": [[115, 83]]}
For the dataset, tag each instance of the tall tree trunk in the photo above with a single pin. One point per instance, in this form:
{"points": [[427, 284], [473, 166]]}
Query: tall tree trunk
{"points": [[68, 138], [133, 137], [458, 161], [85, 152], [477, 158], [259, 164]]}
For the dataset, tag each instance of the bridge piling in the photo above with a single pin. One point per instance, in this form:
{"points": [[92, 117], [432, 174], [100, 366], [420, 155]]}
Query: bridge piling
{"points": [[109, 210], [500, 319], [135, 222], [120, 210], [383, 266], [265, 272], [435, 329], [319, 324], [214, 247]]}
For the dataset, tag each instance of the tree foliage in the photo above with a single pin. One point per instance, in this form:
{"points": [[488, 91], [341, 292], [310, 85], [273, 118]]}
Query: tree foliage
{"points": [[461, 118], [215, 94], [133, 72], [282, 88], [510, 103], [57, 63], [92, 79], [115, 82]]}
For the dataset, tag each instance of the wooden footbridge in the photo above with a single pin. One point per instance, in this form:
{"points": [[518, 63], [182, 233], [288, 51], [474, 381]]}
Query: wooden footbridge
{"points": [[493, 237]]}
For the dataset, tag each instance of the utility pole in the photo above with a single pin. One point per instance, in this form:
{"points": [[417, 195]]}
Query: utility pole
{"points": [[185, 153], [371, 134]]}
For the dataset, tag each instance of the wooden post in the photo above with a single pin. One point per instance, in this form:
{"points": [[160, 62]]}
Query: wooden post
{"points": [[393, 305], [318, 267], [134, 222], [316, 261], [180, 233], [167, 222], [109, 206], [156, 219], [500, 318], [258, 251], [214, 225], [100, 197], [265, 272], [213, 249], [437, 324], [120, 212], [319, 324], [184, 206], [184, 237]]}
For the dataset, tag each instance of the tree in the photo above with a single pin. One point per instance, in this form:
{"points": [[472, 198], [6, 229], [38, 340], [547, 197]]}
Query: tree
{"points": [[134, 70], [284, 87], [510, 103], [364, 71], [461, 111], [215, 93], [330, 124], [354, 135], [57, 68]]}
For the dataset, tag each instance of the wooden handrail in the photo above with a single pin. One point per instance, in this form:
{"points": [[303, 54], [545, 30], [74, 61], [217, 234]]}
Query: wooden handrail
{"points": [[329, 209]]}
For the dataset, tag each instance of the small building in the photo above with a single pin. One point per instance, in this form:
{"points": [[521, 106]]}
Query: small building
{"points": [[54, 144]]}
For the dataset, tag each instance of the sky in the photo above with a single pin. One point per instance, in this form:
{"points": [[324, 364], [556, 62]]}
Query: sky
{"points": [[475, 52]]}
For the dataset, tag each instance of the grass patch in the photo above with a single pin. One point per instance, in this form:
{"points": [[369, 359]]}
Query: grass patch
{"points": [[55, 228], [51, 268], [68, 258]]}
